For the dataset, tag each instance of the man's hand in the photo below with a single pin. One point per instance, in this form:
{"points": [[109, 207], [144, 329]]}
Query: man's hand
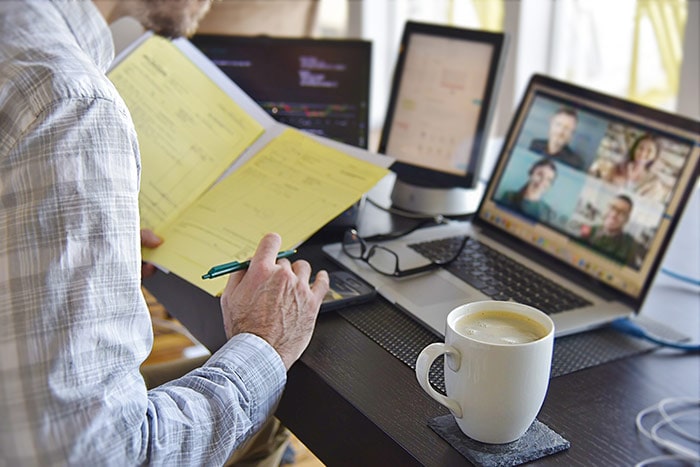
{"points": [[273, 300], [149, 240]]}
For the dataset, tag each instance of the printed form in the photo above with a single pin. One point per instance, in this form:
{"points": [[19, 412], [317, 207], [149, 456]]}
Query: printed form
{"points": [[191, 131]]}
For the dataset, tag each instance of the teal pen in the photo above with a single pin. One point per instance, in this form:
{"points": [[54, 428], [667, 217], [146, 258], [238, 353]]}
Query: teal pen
{"points": [[233, 266]]}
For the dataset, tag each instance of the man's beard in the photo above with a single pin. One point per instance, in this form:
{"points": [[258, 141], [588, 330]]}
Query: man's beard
{"points": [[169, 18]]}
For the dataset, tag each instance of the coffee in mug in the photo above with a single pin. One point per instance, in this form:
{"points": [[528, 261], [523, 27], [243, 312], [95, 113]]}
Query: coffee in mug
{"points": [[498, 357], [500, 327]]}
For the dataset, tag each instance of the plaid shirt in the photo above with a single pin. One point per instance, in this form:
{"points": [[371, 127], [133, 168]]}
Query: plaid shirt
{"points": [[74, 326]]}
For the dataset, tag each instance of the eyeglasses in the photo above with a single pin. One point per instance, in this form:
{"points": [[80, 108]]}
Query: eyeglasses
{"points": [[385, 261]]}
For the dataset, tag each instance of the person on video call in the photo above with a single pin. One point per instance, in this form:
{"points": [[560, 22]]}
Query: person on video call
{"points": [[610, 237], [75, 325], [529, 198], [561, 130], [635, 173]]}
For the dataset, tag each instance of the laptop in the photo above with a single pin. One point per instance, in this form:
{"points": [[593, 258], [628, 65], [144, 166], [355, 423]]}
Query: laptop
{"points": [[565, 204]]}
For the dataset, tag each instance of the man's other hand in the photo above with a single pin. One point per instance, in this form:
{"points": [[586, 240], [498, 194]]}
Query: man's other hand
{"points": [[149, 240]]}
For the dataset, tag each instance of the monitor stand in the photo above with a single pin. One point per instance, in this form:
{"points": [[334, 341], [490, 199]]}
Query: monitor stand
{"points": [[434, 201]]}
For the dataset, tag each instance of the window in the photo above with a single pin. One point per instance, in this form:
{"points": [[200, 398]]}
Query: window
{"points": [[629, 48], [633, 47]]}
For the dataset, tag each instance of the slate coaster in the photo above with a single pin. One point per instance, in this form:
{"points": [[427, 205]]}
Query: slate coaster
{"points": [[537, 442]]}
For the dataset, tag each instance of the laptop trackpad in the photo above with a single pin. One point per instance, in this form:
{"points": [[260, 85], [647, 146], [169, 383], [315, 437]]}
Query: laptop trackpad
{"points": [[430, 292]]}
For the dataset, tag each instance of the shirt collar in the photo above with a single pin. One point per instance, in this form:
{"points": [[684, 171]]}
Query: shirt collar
{"points": [[90, 30]]}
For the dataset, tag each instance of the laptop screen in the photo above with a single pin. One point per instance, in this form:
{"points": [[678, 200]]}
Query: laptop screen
{"points": [[595, 181], [320, 86]]}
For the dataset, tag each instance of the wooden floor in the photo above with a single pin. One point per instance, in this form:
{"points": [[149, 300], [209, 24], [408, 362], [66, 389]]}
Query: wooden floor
{"points": [[170, 344]]}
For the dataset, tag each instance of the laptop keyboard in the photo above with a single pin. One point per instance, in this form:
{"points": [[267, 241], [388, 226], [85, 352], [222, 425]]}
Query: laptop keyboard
{"points": [[500, 277]]}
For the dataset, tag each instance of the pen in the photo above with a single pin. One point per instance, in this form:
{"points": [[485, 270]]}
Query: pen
{"points": [[234, 266]]}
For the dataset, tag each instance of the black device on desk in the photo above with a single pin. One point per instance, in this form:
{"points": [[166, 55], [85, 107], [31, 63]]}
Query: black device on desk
{"points": [[436, 127], [346, 289]]}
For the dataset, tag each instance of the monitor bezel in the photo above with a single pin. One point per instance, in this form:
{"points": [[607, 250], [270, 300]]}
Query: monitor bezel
{"points": [[432, 178]]}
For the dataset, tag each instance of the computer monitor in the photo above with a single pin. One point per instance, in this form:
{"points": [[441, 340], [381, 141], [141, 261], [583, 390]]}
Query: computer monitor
{"points": [[321, 86], [436, 127]]}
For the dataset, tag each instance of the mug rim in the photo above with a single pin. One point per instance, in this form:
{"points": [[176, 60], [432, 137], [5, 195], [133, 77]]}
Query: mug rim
{"points": [[508, 306]]}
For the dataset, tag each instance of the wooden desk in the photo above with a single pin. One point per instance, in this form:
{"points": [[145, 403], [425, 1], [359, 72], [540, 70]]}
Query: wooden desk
{"points": [[352, 403]]}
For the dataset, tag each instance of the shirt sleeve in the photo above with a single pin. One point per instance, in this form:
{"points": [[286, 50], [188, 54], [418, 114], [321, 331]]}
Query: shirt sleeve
{"points": [[208, 412], [74, 325]]}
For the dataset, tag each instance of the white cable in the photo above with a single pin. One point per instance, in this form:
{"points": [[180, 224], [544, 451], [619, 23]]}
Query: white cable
{"points": [[673, 447], [656, 459], [671, 420], [678, 452]]}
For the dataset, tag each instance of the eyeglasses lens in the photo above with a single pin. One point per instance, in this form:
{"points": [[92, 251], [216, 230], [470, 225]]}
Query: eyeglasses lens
{"points": [[383, 260]]}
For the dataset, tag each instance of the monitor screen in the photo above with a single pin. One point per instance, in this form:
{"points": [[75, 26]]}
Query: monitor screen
{"points": [[317, 85], [442, 94]]}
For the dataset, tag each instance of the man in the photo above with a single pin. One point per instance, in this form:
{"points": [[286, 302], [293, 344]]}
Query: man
{"points": [[561, 130], [610, 237], [74, 326]]}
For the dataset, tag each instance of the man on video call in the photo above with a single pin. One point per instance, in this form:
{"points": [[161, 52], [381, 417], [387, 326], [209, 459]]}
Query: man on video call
{"points": [[561, 130], [75, 325], [610, 236]]}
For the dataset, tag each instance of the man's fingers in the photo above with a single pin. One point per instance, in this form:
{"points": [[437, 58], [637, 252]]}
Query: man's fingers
{"points": [[147, 270], [234, 279], [284, 263], [149, 239], [266, 253], [321, 284], [302, 269]]}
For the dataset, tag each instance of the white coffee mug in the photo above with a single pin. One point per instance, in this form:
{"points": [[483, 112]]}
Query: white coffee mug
{"points": [[495, 383]]}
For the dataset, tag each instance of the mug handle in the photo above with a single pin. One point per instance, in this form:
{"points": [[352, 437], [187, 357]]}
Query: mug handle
{"points": [[425, 359]]}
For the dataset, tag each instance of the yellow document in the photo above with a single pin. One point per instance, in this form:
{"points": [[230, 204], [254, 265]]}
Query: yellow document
{"points": [[189, 129], [293, 186]]}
